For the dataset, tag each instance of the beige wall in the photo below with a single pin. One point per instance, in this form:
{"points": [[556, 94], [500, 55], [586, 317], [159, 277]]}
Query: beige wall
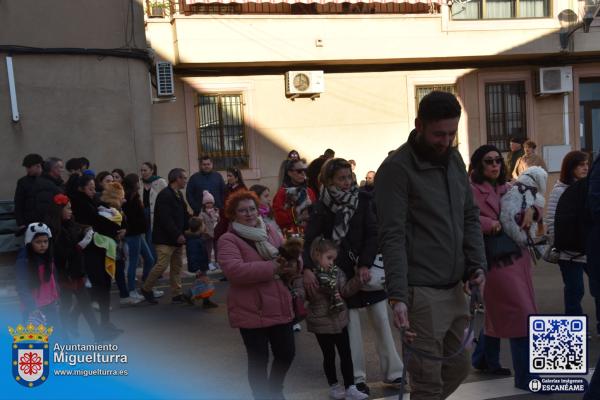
{"points": [[361, 116], [74, 105], [268, 39]]}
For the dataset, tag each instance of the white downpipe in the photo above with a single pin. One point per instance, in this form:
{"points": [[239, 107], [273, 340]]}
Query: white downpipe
{"points": [[566, 118], [11, 88]]}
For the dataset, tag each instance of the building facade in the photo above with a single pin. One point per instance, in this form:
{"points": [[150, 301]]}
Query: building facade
{"points": [[378, 60], [81, 72]]}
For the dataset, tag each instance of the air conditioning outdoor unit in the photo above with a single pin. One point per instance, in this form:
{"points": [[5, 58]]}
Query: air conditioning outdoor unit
{"points": [[555, 80], [165, 86], [304, 82]]}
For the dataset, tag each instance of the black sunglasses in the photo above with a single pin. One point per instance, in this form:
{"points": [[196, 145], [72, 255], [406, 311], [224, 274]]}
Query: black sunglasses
{"points": [[490, 161]]}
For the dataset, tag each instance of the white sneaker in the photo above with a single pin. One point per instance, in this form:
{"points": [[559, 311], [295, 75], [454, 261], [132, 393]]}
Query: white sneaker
{"points": [[352, 393], [337, 392], [128, 301], [158, 293], [134, 294], [297, 327], [95, 305]]}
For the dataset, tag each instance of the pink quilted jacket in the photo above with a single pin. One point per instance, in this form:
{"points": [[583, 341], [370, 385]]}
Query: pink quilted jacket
{"points": [[255, 298]]}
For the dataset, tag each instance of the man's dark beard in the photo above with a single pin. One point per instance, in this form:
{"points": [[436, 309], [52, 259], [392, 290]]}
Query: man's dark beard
{"points": [[427, 152]]}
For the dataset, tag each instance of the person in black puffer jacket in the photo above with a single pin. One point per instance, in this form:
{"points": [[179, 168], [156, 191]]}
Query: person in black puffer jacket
{"points": [[347, 216], [85, 212], [25, 212], [70, 239]]}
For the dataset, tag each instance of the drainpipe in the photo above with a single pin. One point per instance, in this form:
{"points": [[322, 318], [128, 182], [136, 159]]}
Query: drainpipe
{"points": [[11, 89]]}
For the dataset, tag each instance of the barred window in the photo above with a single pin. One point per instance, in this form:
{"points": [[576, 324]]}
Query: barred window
{"points": [[505, 113], [221, 130], [422, 91]]}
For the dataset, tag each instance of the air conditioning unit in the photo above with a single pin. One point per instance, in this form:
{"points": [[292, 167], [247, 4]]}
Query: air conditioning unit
{"points": [[165, 86], [555, 80], [304, 82]]}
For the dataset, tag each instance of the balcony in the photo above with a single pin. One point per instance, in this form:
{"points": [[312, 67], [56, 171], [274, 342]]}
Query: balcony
{"points": [[170, 8]]}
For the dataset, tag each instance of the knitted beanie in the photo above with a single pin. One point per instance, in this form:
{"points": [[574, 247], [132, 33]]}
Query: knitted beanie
{"points": [[207, 197]]}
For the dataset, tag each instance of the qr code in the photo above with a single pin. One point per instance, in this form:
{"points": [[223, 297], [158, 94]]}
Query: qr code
{"points": [[557, 344]]}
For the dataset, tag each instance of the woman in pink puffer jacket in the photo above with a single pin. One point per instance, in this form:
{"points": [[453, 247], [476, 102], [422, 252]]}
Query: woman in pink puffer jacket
{"points": [[258, 301]]}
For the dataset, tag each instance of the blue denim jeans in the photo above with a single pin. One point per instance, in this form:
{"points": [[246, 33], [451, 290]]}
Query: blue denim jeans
{"points": [[572, 274], [138, 246], [487, 353], [149, 233]]}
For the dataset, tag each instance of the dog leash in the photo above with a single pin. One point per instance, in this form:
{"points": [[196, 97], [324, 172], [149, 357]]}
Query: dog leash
{"points": [[475, 306]]}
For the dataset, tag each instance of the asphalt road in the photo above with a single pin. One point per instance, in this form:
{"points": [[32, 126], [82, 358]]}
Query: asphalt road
{"points": [[221, 348], [171, 335]]}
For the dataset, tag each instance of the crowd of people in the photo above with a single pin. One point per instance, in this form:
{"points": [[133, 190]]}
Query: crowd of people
{"points": [[317, 252]]}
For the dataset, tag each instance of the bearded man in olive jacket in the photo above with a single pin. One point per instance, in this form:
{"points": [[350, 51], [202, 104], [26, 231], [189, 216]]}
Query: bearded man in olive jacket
{"points": [[431, 241]]}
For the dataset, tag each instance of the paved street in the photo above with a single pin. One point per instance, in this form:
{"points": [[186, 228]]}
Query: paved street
{"points": [[169, 335]]}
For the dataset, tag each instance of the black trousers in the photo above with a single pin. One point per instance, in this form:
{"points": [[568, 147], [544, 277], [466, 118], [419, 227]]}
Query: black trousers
{"points": [[101, 281], [266, 385], [70, 310], [328, 343]]}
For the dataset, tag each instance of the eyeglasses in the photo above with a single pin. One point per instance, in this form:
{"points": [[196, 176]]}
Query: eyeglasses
{"points": [[491, 161], [249, 210]]}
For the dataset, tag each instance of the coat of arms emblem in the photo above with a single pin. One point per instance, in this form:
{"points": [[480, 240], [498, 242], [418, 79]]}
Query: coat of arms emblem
{"points": [[30, 354]]}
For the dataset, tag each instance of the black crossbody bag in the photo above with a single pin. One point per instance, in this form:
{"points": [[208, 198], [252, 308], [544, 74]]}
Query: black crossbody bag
{"points": [[500, 248]]}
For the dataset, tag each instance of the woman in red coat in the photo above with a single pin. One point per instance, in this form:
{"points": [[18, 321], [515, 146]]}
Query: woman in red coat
{"points": [[508, 295], [292, 201]]}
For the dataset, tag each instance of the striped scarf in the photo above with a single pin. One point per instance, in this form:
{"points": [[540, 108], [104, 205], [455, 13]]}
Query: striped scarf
{"points": [[343, 205]]}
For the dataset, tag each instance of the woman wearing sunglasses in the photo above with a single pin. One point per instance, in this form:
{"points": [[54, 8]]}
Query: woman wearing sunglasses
{"points": [[508, 295], [292, 201]]}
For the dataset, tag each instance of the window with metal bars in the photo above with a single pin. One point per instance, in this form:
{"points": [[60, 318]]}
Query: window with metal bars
{"points": [[505, 113], [221, 130], [422, 91]]}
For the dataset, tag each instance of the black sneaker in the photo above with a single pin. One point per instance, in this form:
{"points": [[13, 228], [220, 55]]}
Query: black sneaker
{"points": [[188, 299], [362, 387], [179, 299], [206, 303], [149, 296], [107, 335]]}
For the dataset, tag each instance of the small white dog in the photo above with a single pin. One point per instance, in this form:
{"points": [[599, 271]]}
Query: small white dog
{"points": [[526, 192]]}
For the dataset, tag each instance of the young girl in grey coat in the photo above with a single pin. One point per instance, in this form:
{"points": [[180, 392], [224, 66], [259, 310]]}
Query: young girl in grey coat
{"points": [[328, 317]]}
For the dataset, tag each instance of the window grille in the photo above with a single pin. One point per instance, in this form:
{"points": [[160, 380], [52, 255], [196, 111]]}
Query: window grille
{"points": [[505, 113], [221, 130]]}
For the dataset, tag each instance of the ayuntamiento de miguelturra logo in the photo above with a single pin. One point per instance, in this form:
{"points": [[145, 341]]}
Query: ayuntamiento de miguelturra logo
{"points": [[30, 354]]}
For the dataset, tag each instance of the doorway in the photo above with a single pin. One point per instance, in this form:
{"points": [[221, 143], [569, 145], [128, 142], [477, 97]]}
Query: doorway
{"points": [[589, 115]]}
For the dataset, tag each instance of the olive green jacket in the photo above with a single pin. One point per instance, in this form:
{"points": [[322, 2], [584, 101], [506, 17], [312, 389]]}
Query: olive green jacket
{"points": [[429, 230]]}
